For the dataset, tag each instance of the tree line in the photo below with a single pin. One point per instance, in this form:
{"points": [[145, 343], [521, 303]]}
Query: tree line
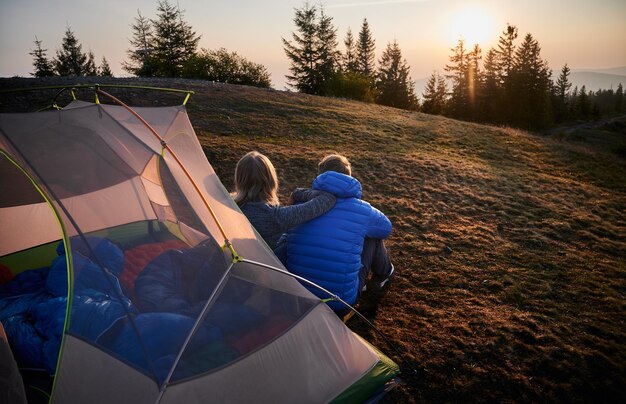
{"points": [[318, 67], [70, 60], [513, 85], [166, 46], [510, 85]]}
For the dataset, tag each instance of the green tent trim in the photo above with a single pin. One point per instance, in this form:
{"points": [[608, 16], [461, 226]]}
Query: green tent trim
{"points": [[367, 387]]}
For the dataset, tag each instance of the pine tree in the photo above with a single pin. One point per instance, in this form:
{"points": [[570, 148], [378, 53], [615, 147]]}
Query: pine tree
{"points": [[90, 65], [561, 89], [302, 53], [429, 105], [506, 52], [365, 48], [442, 93], [105, 69], [458, 72], [563, 84], [327, 63], [141, 61], [474, 78], [490, 88], [43, 67], [583, 105], [572, 101], [70, 60], [349, 57], [530, 86], [174, 40], [434, 95], [393, 82], [505, 60], [619, 99]]}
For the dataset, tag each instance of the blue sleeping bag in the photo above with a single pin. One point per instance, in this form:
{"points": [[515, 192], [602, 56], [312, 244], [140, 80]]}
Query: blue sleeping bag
{"points": [[180, 281], [87, 255], [163, 335], [33, 304]]}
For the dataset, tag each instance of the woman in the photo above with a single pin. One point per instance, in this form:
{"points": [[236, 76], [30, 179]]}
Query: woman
{"points": [[256, 187]]}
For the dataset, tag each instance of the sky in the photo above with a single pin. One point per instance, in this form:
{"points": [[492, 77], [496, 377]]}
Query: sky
{"points": [[585, 34]]}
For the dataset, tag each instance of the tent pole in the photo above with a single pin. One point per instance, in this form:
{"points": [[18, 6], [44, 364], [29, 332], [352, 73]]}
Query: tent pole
{"points": [[227, 243], [337, 298], [191, 334]]}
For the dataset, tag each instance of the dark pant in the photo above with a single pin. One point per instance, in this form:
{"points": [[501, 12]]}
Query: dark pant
{"points": [[374, 259]]}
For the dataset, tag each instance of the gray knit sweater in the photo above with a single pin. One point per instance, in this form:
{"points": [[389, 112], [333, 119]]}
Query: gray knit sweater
{"points": [[271, 221]]}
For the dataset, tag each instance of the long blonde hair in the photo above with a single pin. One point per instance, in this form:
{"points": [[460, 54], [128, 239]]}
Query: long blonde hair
{"points": [[255, 180]]}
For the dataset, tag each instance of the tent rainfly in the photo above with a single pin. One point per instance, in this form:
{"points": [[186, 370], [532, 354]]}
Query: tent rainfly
{"points": [[129, 275]]}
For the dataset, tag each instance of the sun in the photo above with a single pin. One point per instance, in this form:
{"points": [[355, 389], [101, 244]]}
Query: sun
{"points": [[473, 25]]}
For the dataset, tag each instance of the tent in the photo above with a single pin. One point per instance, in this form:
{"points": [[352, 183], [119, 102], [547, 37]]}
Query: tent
{"points": [[132, 277]]}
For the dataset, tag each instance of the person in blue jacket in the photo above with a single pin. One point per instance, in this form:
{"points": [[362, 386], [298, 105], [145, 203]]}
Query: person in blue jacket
{"points": [[340, 248]]}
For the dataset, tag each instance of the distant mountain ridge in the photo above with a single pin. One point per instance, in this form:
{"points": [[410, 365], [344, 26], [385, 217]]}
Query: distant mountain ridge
{"points": [[620, 71], [596, 79]]}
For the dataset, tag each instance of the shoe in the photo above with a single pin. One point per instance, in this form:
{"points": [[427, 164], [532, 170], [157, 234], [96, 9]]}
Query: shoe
{"points": [[385, 281]]}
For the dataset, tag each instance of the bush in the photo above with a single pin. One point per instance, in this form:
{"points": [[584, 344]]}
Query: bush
{"points": [[226, 67], [353, 85]]}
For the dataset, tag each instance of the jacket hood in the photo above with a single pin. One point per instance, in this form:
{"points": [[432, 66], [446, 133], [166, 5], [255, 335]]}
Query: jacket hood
{"points": [[340, 185]]}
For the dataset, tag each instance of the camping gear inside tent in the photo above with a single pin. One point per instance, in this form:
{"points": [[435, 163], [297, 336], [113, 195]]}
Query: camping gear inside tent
{"points": [[129, 275]]}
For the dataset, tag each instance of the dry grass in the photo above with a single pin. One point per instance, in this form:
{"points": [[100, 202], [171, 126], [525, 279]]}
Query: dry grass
{"points": [[527, 303]]}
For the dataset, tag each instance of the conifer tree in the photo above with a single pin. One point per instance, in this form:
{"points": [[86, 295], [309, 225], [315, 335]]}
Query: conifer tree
{"points": [[474, 78], [70, 59], [563, 84], [43, 67], [458, 71], [365, 48], [506, 52], [349, 57], [434, 95], [90, 65], [429, 103], [490, 88], [506, 59], [393, 82], [327, 63], [105, 69], [530, 86], [619, 99], [442, 93], [561, 90], [573, 100], [141, 61], [302, 53], [174, 40], [583, 106]]}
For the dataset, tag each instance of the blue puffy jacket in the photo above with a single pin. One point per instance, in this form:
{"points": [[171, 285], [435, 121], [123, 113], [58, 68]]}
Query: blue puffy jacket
{"points": [[327, 250]]}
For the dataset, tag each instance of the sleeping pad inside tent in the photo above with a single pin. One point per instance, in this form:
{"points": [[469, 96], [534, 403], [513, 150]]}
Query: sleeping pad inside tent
{"points": [[128, 274]]}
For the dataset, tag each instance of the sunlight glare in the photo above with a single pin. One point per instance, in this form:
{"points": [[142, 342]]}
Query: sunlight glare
{"points": [[474, 25]]}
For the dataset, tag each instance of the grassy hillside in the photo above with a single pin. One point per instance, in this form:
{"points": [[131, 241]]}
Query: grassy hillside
{"points": [[509, 247]]}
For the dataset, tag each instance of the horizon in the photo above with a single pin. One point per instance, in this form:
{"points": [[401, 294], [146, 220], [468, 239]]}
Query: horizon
{"points": [[571, 38]]}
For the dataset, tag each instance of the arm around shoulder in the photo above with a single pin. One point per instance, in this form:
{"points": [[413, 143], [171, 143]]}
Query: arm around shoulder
{"points": [[320, 203]]}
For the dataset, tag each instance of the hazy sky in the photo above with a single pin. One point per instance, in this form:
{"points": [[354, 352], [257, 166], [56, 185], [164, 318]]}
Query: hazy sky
{"points": [[583, 33]]}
